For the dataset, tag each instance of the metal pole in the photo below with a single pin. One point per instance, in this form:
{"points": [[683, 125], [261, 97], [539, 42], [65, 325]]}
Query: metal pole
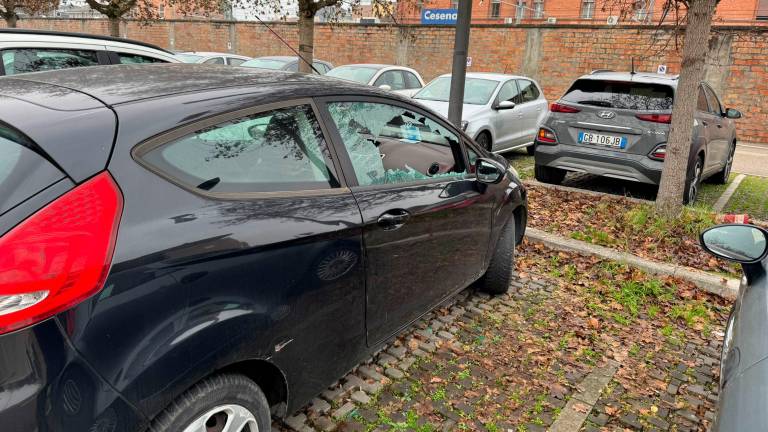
{"points": [[459, 70]]}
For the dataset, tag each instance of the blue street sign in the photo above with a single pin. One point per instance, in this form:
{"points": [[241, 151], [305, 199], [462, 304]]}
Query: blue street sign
{"points": [[439, 16]]}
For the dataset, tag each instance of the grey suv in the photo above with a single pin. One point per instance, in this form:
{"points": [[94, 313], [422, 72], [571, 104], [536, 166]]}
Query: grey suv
{"points": [[615, 124]]}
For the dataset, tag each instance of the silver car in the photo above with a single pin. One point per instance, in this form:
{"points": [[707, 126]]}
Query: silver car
{"points": [[204, 57], [615, 124], [24, 51], [286, 63], [744, 360], [501, 112], [399, 79]]}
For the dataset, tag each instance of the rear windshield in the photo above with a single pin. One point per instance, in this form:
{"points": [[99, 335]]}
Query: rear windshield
{"points": [[23, 172], [621, 95]]}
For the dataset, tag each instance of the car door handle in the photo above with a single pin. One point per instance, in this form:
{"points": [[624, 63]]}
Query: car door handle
{"points": [[393, 219]]}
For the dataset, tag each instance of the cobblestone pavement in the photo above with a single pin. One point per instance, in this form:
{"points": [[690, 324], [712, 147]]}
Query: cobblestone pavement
{"points": [[511, 362]]}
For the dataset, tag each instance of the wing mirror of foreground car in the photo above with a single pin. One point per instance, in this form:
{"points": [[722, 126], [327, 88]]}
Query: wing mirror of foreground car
{"points": [[504, 105], [745, 244], [732, 113], [489, 171]]}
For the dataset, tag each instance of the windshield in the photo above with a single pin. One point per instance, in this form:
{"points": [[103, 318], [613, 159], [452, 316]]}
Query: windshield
{"points": [[359, 74], [621, 95], [265, 63], [477, 91], [189, 58]]}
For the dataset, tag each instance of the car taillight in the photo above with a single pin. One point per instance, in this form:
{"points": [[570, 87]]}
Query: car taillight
{"points": [[546, 136], [556, 107], [656, 118], [60, 255], [659, 153]]}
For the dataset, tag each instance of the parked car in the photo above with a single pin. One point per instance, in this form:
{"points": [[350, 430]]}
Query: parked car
{"points": [[501, 112], [398, 79], [237, 244], [616, 124], [744, 360], [212, 58], [286, 63], [25, 51]]}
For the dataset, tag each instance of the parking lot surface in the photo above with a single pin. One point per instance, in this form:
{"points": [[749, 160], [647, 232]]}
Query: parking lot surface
{"points": [[520, 361]]}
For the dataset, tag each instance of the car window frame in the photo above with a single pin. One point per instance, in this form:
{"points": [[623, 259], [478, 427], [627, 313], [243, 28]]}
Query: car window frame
{"points": [[706, 99], [708, 91], [102, 54], [113, 52], [500, 86], [345, 161], [520, 90], [405, 72], [397, 71], [330, 159]]}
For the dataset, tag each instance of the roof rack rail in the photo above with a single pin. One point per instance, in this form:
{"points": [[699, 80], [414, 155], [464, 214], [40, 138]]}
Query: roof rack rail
{"points": [[83, 35], [597, 71]]}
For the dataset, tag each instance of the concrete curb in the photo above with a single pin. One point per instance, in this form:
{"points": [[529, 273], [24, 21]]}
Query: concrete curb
{"points": [[728, 193], [581, 403], [586, 192], [721, 286]]}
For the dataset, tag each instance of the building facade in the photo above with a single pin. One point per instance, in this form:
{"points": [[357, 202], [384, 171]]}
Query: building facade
{"points": [[578, 11]]}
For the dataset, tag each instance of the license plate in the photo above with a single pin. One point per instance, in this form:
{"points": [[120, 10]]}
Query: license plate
{"points": [[605, 140]]}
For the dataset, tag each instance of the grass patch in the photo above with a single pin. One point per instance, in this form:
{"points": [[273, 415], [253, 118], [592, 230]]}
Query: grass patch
{"points": [[751, 198], [632, 295], [709, 193], [522, 162]]}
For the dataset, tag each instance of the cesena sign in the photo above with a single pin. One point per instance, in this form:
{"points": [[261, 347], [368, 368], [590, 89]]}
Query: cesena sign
{"points": [[439, 16]]}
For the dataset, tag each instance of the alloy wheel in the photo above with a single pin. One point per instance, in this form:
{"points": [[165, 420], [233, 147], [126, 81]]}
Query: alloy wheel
{"points": [[693, 189], [225, 418], [729, 163]]}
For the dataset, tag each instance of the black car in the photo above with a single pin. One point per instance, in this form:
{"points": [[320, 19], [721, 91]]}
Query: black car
{"points": [[183, 245]]}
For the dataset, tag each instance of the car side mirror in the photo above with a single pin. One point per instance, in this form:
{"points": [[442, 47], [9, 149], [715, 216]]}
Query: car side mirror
{"points": [[489, 171], [504, 105], [385, 87], [732, 113], [745, 244]]}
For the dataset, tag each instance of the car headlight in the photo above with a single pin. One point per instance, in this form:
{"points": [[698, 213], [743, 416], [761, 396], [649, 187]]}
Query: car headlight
{"points": [[464, 125]]}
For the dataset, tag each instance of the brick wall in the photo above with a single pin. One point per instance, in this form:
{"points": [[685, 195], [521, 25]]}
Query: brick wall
{"points": [[737, 66]]}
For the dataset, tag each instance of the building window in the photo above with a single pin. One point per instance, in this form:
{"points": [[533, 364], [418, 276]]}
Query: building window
{"points": [[587, 9], [454, 4], [762, 10], [641, 10], [495, 8], [538, 9], [520, 10]]}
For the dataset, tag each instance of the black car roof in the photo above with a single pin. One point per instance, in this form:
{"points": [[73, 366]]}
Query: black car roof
{"points": [[82, 35], [118, 84]]}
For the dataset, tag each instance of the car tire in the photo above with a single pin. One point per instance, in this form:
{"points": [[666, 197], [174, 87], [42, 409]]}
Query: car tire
{"points": [[215, 400], [484, 141], [549, 175], [693, 183], [722, 176], [498, 276], [531, 149]]}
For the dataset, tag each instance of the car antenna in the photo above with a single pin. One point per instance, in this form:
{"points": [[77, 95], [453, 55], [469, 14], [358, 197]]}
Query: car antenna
{"points": [[287, 44]]}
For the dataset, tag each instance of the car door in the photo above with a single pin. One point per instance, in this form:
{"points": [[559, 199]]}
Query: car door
{"points": [[704, 130], [426, 219], [530, 110], [719, 136], [261, 241], [506, 122]]}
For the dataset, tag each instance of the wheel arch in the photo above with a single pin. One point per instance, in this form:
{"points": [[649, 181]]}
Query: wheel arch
{"points": [[270, 379]]}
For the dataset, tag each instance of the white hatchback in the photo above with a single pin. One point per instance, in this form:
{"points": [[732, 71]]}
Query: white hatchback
{"points": [[398, 79], [501, 112]]}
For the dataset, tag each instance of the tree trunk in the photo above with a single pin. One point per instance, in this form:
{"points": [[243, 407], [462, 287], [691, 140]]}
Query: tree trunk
{"points": [[10, 20], [669, 201], [114, 27], [306, 40]]}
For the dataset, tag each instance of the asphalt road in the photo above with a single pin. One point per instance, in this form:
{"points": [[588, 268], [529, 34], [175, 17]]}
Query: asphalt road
{"points": [[751, 159]]}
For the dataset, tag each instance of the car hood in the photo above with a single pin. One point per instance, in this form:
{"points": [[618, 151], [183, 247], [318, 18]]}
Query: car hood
{"points": [[441, 108]]}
